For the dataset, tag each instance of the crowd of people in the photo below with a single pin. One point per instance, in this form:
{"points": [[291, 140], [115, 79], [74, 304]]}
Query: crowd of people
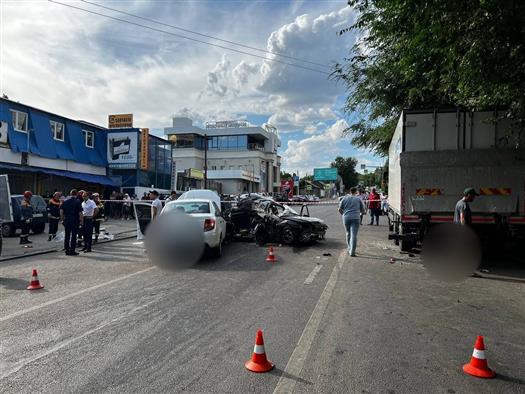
{"points": [[81, 214]]}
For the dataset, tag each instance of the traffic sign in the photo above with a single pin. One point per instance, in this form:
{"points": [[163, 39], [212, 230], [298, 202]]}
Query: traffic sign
{"points": [[325, 174]]}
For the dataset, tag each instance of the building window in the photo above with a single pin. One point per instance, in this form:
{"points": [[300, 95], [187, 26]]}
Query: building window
{"points": [[58, 130], [19, 121], [89, 138], [214, 168]]}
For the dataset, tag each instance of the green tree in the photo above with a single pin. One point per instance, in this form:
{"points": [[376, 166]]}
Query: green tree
{"points": [[346, 169], [432, 53], [285, 175]]}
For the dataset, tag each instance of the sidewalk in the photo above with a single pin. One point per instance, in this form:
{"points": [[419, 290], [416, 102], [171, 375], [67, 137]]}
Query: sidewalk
{"points": [[11, 248]]}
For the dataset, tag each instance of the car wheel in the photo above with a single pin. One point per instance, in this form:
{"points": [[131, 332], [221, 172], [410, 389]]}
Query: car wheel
{"points": [[288, 236], [8, 230], [217, 251]]}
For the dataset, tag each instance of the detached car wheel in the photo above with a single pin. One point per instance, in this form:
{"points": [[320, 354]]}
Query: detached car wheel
{"points": [[8, 230]]}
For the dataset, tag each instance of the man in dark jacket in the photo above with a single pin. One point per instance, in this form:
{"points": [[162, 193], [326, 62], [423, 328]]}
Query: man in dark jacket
{"points": [[71, 215]]}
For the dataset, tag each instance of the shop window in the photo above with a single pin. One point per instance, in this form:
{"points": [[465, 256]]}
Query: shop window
{"points": [[19, 121], [58, 130], [89, 138]]}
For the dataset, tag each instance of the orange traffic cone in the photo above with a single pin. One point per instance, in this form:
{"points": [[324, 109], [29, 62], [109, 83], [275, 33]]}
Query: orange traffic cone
{"points": [[35, 283], [478, 363], [271, 257], [259, 362]]}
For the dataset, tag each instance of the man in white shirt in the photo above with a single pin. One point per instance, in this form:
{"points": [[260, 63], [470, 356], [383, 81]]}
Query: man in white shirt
{"points": [[89, 210], [156, 205]]}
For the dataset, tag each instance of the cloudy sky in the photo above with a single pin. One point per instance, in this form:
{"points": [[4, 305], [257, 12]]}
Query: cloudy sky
{"points": [[86, 66]]}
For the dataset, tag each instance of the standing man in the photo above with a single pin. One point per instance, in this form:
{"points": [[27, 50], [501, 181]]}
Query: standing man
{"points": [[172, 197], [351, 207], [99, 216], [156, 205], [462, 213], [363, 197], [71, 215], [375, 206], [26, 215], [53, 214], [89, 210]]}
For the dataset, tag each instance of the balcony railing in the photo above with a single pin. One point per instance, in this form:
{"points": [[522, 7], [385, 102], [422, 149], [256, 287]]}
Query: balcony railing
{"points": [[253, 146]]}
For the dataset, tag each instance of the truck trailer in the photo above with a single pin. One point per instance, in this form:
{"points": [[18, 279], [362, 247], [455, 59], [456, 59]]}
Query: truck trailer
{"points": [[435, 154]]}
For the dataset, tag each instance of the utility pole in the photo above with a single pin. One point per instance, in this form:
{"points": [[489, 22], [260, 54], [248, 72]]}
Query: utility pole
{"points": [[205, 161]]}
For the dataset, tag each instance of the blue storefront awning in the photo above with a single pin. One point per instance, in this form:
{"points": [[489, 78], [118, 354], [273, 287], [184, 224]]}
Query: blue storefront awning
{"points": [[91, 178]]}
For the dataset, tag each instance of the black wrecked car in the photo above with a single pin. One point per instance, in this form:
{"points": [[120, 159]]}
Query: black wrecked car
{"points": [[280, 223]]}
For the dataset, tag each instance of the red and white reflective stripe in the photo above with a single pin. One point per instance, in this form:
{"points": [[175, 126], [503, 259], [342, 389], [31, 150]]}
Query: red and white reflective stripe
{"points": [[441, 219], [517, 219], [480, 354], [483, 219], [258, 349], [410, 218]]}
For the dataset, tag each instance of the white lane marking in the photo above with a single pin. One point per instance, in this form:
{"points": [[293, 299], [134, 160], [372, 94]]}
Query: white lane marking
{"points": [[56, 348], [66, 297], [138, 243], [313, 274], [297, 359]]}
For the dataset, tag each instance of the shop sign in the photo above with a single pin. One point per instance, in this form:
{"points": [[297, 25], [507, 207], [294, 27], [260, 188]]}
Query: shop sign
{"points": [[226, 124], [122, 150], [120, 121], [144, 137], [196, 174], [287, 187]]}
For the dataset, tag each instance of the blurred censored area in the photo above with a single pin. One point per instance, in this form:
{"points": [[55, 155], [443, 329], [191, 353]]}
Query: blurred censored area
{"points": [[451, 252], [174, 240]]}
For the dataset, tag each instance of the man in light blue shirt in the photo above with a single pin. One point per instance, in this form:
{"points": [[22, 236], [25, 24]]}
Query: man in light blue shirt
{"points": [[351, 207]]}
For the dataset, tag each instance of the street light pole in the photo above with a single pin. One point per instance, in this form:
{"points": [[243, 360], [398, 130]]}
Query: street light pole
{"points": [[205, 161]]}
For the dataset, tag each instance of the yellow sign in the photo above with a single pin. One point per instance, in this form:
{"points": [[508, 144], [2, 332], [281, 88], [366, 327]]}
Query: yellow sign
{"points": [[120, 121], [144, 136], [196, 174]]}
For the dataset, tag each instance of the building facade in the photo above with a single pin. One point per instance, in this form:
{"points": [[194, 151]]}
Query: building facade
{"points": [[44, 152], [240, 157]]}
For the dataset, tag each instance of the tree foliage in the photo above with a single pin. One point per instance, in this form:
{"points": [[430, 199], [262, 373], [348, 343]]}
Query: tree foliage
{"points": [[430, 54], [346, 169]]}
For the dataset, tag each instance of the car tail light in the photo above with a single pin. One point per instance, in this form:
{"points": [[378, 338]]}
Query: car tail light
{"points": [[209, 224]]}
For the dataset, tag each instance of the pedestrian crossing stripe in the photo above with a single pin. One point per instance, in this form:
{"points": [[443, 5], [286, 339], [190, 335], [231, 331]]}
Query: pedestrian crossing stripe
{"points": [[429, 192], [495, 191]]}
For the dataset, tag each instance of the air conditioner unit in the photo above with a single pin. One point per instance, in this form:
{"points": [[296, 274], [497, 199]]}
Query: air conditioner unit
{"points": [[3, 132]]}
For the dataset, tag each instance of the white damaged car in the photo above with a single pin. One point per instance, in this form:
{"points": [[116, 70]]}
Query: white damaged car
{"points": [[210, 217]]}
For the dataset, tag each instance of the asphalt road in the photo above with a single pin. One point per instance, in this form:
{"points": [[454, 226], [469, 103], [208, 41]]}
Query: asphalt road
{"points": [[112, 322]]}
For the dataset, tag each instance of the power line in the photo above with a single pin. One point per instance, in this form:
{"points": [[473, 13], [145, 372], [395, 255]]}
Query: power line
{"points": [[205, 35], [189, 38]]}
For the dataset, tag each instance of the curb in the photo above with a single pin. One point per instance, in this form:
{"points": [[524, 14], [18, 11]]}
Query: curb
{"points": [[47, 251]]}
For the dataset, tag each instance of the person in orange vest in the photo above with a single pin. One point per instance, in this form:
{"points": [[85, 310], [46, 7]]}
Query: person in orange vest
{"points": [[26, 215]]}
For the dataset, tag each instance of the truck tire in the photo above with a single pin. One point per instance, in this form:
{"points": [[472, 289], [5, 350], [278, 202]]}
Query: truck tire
{"points": [[8, 230]]}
